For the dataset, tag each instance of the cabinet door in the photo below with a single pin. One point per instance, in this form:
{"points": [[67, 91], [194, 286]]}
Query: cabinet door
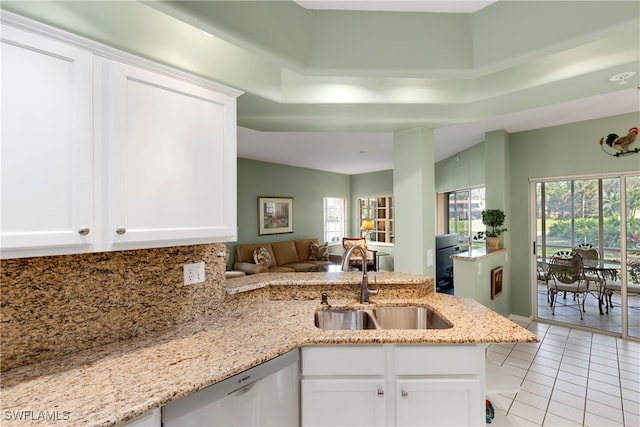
{"points": [[439, 402], [343, 402], [46, 146], [170, 167]]}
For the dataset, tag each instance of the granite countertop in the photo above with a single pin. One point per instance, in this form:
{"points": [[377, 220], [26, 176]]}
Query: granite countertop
{"points": [[257, 281], [120, 381], [475, 254]]}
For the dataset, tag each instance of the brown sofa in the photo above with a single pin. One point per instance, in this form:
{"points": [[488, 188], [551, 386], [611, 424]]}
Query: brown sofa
{"points": [[286, 257]]}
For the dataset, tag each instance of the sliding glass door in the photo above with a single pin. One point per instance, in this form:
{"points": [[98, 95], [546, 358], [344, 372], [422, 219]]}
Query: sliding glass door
{"points": [[631, 257], [588, 211]]}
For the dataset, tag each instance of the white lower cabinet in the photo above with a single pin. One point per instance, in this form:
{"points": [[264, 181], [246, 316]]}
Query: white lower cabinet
{"points": [[403, 385], [438, 401], [332, 402], [267, 395]]}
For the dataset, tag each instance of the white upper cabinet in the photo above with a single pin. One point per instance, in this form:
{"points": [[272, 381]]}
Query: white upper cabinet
{"points": [[105, 151], [169, 158], [46, 146]]}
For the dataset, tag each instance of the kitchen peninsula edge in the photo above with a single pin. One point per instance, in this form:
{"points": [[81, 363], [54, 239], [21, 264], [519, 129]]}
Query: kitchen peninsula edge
{"points": [[264, 317]]}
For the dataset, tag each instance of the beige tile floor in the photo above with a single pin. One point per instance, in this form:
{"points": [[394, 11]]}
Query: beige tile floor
{"points": [[571, 378]]}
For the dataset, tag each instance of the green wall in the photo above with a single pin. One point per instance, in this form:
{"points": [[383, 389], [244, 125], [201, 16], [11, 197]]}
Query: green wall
{"points": [[415, 201], [465, 169], [557, 151], [473, 280], [308, 187], [564, 150]]}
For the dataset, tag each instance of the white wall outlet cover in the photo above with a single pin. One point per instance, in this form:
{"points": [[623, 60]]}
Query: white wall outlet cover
{"points": [[429, 257], [194, 273]]}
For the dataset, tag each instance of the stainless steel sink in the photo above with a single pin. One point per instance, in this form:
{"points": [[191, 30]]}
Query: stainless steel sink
{"points": [[403, 317], [390, 317], [345, 319]]}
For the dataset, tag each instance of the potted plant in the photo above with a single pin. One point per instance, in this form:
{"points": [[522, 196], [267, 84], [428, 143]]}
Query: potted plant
{"points": [[493, 219]]}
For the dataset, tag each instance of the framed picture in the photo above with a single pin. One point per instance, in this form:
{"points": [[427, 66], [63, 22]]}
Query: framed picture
{"points": [[496, 282], [275, 215]]}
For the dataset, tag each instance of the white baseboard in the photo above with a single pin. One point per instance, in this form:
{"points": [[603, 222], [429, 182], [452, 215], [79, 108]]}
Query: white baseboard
{"points": [[520, 319]]}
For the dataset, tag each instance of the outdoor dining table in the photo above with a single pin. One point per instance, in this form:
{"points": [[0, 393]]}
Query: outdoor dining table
{"points": [[602, 268]]}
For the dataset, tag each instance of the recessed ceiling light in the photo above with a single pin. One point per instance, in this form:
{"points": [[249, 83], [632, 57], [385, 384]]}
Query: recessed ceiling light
{"points": [[622, 77]]}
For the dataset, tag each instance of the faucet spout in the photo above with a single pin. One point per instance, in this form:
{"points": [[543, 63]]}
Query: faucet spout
{"points": [[365, 291]]}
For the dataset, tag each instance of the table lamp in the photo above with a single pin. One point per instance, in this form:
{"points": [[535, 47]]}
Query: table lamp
{"points": [[366, 227]]}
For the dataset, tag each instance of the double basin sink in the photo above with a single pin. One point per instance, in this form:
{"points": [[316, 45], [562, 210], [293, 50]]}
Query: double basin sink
{"points": [[389, 317]]}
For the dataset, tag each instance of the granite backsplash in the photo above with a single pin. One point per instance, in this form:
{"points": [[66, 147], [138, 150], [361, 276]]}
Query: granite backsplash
{"points": [[52, 306]]}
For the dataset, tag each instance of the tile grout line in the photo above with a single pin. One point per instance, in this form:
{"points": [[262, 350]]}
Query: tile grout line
{"points": [[527, 373], [586, 392], [619, 387], [620, 382], [555, 380]]}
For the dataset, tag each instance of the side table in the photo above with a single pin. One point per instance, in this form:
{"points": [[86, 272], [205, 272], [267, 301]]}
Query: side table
{"points": [[378, 255]]}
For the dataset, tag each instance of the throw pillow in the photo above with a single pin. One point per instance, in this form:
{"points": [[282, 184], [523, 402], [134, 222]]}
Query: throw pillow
{"points": [[261, 256], [318, 252]]}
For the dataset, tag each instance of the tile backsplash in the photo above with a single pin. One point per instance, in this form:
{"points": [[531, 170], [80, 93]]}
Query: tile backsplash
{"points": [[52, 306]]}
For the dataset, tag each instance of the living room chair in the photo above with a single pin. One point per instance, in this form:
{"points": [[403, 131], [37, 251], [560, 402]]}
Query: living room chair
{"points": [[355, 260], [565, 272]]}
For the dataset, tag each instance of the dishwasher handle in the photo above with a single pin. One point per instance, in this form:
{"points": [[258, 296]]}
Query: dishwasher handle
{"points": [[244, 389]]}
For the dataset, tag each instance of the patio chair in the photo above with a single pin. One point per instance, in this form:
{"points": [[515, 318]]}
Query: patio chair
{"points": [[565, 272], [542, 273], [588, 251]]}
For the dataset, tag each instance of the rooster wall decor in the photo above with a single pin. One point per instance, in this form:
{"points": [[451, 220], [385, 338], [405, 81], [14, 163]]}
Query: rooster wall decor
{"points": [[620, 143]]}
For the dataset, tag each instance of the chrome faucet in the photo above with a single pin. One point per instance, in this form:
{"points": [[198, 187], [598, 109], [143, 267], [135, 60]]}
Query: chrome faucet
{"points": [[365, 291]]}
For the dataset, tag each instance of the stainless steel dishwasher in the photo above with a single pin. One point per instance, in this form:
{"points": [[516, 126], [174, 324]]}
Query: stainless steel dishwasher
{"points": [[266, 395]]}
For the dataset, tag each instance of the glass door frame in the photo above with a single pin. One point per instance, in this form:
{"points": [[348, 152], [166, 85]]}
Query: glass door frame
{"points": [[533, 280]]}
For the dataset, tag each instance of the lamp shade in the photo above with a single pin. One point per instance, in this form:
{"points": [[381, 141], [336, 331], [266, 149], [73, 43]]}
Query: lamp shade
{"points": [[367, 224]]}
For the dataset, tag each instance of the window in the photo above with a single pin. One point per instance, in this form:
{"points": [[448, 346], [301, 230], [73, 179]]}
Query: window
{"points": [[587, 210], [335, 219], [463, 215], [379, 210]]}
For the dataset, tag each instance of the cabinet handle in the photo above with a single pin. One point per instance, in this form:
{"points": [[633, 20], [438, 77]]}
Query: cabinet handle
{"points": [[83, 231], [404, 393], [380, 392], [121, 230]]}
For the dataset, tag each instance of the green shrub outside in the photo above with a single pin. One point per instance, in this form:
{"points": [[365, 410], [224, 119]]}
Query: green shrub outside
{"points": [[586, 230]]}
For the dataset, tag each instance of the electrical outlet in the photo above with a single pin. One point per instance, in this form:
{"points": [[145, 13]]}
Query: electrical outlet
{"points": [[193, 273]]}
